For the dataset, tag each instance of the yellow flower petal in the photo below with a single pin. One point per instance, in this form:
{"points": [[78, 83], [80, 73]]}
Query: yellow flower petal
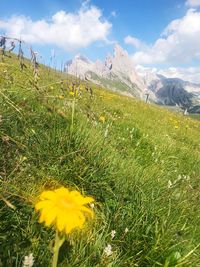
{"points": [[87, 200], [87, 210], [80, 199], [62, 191], [81, 218], [43, 204], [50, 217], [64, 209], [60, 224], [48, 195]]}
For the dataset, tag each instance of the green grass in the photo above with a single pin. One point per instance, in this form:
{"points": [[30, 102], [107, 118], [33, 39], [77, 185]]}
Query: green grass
{"points": [[142, 166], [195, 116], [114, 83]]}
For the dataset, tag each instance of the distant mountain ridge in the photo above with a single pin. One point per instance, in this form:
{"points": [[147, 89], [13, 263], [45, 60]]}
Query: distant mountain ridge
{"points": [[117, 73], [172, 91]]}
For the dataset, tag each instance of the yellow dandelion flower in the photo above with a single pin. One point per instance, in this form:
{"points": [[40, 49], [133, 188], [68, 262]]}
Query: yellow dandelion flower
{"points": [[102, 119], [71, 93], [176, 126], [63, 208]]}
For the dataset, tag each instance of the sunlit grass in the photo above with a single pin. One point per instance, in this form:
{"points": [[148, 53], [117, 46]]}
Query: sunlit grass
{"points": [[141, 169]]}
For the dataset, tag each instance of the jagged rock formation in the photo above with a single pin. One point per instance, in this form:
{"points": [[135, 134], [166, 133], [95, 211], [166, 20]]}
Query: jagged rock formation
{"points": [[118, 74], [172, 91], [79, 66]]}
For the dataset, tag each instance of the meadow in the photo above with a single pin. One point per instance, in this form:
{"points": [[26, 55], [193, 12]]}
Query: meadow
{"points": [[140, 162]]}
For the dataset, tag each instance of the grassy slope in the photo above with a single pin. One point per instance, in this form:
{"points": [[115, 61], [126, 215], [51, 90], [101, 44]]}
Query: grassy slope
{"points": [[115, 84], [126, 163]]}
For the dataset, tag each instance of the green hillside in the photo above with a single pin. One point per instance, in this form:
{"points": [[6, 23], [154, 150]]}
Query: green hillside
{"points": [[140, 162], [115, 84]]}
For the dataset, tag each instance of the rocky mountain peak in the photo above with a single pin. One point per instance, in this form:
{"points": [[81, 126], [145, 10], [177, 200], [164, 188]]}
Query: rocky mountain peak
{"points": [[121, 61], [82, 58], [118, 73], [117, 66], [119, 52]]}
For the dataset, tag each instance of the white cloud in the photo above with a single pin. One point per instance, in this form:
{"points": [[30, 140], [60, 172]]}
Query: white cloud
{"points": [[193, 3], [179, 43], [67, 30], [133, 41], [191, 74]]}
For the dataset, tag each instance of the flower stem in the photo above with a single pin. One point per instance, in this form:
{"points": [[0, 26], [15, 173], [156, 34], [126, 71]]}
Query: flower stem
{"points": [[72, 117], [56, 249]]}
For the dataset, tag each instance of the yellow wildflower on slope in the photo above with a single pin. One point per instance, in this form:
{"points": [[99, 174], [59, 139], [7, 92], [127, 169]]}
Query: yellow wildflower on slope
{"points": [[102, 119], [63, 208], [72, 93]]}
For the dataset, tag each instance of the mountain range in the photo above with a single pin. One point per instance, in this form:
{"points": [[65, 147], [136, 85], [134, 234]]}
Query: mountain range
{"points": [[117, 73]]}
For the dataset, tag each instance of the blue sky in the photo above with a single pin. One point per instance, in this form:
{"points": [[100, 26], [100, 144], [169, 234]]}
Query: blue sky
{"points": [[92, 28]]}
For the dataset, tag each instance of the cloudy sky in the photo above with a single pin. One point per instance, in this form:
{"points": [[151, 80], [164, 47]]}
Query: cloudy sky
{"points": [[163, 34]]}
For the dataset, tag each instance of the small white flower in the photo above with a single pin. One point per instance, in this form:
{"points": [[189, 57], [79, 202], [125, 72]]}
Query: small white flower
{"points": [[28, 260], [126, 230], [108, 250], [113, 232], [92, 205]]}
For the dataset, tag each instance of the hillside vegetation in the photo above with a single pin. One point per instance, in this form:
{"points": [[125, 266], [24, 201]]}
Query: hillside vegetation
{"points": [[141, 163]]}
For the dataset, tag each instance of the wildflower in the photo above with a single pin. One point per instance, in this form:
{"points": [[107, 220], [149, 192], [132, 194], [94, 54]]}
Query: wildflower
{"points": [[71, 93], [113, 233], [102, 119], [28, 260], [176, 126], [108, 250], [126, 230], [92, 205], [63, 208]]}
